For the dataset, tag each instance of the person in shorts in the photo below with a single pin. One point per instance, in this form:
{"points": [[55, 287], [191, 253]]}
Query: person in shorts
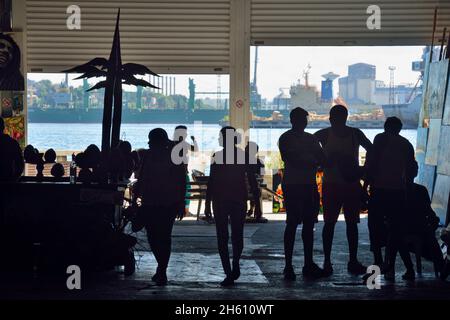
{"points": [[302, 154], [342, 188]]}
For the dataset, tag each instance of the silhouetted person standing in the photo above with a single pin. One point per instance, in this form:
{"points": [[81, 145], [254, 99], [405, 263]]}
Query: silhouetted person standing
{"points": [[257, 166], [390, 164], [161, 186], [227, 189], [302, 154], [341, 184], [11, 157], [181, 150]]}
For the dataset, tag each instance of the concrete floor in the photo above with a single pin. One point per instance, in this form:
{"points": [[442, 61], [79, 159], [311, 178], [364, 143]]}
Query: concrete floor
{"points": [[195, 271]]}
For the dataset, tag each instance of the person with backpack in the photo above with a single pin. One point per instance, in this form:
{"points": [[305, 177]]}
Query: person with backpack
{"points": [[161, 186], [342, 184]]}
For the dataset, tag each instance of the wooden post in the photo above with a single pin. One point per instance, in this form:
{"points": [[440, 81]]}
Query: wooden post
{"points": [[442, 44], [434, 32]]}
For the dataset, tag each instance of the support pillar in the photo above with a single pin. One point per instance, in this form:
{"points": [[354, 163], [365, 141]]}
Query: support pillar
{"points": [[240, 64]]}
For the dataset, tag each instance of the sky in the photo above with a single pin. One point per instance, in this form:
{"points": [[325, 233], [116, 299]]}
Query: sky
{"points": [[281, 67]]}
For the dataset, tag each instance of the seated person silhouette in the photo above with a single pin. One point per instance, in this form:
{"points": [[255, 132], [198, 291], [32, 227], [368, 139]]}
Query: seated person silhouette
{"points": [[421, 222], [161, 185], [389, 163], [342, 184], [256, 165], [11, 159], [302, 155], [227, 190]]}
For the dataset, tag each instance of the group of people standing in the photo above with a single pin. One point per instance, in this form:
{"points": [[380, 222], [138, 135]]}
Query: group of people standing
{"points": [[387, 175], [161, 185], [396, 205]]}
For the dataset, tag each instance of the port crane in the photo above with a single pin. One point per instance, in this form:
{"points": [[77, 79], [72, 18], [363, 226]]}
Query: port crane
{"points": [[306, 74], [414, 89]]}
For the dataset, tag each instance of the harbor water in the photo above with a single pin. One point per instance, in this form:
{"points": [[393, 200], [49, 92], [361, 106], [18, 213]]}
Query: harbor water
{"points": [[77, 136]]}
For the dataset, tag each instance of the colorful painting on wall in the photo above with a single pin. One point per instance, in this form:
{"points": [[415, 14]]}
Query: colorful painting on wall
{"points": [[11, 103], [17, 100], [15, 128], [6, 104]]}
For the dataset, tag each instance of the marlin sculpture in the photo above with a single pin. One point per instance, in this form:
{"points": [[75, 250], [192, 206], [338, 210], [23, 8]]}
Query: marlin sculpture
{"points": [[116, 74]]}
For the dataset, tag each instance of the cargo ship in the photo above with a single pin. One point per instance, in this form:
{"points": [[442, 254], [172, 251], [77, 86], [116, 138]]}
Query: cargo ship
{"points": [[407, 112], [54, 115]]}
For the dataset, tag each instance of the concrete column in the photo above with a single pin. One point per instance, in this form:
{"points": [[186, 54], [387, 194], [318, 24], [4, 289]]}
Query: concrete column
{"points": [[240, 64]]}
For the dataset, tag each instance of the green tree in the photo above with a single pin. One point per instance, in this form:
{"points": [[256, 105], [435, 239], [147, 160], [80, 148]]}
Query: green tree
{"points": [[45, 91], [181, 101]]}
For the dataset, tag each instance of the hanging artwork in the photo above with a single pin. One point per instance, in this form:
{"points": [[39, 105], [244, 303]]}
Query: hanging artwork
{"points": [[440, 196], [444, 153], [434, 133], [6, 104], [116, 74], [424, 114], [422, 137], [5, 15], [446, 118], [11, 79], [427, 174], [17, 103], [435, 93], [15, 128]]}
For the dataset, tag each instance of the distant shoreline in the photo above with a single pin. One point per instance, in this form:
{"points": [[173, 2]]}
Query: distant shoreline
{"points": [[363, 124]]}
